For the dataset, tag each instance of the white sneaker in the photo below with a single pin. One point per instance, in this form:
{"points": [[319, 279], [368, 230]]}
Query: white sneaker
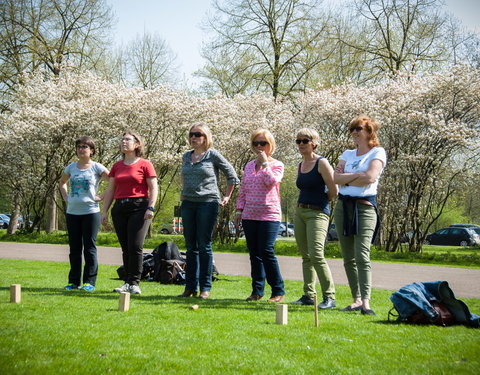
{"points": [[124, 288], [134, 289]]}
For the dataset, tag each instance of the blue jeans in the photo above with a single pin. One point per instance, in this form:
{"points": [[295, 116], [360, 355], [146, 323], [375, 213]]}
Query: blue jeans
{"points": [[261, 237], [198, 220], [82, 238]]}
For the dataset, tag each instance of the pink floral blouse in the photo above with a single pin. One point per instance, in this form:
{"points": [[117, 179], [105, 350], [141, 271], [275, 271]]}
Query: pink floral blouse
{"points": [[259, 196]]}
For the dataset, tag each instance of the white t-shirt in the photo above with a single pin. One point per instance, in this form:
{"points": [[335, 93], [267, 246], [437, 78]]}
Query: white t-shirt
{"points": [[354, 163], [83, 185]]}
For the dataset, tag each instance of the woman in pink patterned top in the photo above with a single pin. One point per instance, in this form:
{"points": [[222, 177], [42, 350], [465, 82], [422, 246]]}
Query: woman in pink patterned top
{"points": [[258, 208]]}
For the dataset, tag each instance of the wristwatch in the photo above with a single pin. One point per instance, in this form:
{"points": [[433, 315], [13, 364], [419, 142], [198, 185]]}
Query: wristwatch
{"points": [[151, 208]]}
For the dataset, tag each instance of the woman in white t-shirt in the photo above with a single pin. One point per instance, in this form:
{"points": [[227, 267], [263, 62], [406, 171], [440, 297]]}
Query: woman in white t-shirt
{"points": [[357, 175], [83, 213]]}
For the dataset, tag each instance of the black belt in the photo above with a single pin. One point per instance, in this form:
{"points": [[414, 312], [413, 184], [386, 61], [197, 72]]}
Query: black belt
{"points": [[126, 200], [310, 206]]}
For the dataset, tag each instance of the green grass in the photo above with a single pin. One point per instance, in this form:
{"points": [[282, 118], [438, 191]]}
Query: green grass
{"points": [[439, 255], [53, 331]]}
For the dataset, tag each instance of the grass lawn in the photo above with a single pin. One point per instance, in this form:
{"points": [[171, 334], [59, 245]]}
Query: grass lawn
{"points": [[53, 331]]}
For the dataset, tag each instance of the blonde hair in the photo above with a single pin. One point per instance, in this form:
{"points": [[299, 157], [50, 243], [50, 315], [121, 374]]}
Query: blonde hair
{"points": [[268, 136], [206, 130], [310, 134], [371, 126]]}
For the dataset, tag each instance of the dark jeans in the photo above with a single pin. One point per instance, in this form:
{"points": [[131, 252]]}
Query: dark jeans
{"points": [[131, 228], [82, 238], [198, 220], [261, 237]]}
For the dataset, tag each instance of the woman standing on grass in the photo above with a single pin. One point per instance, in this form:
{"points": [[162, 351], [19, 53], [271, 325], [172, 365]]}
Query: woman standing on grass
{"points": [[312, 215], [133, 185], [200, 200], [83, 213], [258, 209], [357, 173]]}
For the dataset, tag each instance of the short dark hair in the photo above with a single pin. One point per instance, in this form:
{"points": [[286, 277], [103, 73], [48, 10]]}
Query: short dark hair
{"points": [[86, 141]]}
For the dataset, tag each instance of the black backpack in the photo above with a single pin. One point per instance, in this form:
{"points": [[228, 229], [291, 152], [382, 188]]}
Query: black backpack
{"points": [[165, 273], [148, 268], [172, 272]]}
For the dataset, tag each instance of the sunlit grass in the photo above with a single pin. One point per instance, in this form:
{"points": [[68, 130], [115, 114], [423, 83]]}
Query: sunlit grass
{"points": [[53, 331]]}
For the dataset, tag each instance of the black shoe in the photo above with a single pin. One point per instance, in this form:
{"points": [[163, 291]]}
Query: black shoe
{"points": [[350, 308], [327, 303], [304, 300], [368, 312]]}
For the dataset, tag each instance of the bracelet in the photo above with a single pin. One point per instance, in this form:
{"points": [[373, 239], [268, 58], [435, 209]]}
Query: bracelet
{"points": [[265, 163], [151, 208]]}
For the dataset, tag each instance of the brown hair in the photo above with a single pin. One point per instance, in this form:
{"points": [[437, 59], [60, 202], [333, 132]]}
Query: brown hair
{"points": [[371, 127], [86, 141], [140, 150]]}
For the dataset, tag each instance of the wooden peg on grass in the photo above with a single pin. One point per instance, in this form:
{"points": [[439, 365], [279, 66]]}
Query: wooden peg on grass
{"points": [[15, 293], [124, 302], [282, 314], [316, 310]]}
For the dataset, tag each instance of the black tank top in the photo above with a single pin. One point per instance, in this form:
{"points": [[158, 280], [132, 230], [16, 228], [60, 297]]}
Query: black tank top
{"points": [[312, 188]]}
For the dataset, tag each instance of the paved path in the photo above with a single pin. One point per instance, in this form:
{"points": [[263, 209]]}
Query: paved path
{"points": [[464, 282]]}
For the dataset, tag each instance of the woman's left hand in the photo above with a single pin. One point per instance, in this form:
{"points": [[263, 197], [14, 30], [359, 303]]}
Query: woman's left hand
{"points": [[148, 215]]}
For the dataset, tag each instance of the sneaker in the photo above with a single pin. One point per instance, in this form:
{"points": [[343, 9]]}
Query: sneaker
{"points": [[327, 303], [304, 300], [135, 289], [124, 288], [87, 287], [70, 287]]}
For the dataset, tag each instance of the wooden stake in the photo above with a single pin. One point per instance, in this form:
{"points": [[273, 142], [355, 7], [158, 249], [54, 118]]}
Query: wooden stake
{"points": [[124, 302], [282, 314], [15, 293], [316, 310]]}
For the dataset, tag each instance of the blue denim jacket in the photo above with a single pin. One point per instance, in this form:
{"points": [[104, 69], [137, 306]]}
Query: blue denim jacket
{"points": [[415, 296]]}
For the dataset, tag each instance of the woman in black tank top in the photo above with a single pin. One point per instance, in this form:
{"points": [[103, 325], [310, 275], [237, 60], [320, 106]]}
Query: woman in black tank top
{"points": [[315, 181]]}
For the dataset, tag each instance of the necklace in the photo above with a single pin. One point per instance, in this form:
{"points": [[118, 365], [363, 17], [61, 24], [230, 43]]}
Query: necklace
{"points": [[196, 158]]}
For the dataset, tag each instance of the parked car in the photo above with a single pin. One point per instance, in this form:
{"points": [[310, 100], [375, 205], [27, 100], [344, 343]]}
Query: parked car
{"points": [[464, 226], [286, 230], [332, 233], [20, 222], [233, 230], [454, 236], [5, 220], [171, 228]]}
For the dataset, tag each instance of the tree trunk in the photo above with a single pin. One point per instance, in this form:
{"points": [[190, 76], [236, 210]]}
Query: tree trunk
{"points": [[12, 227], [52, 214]]}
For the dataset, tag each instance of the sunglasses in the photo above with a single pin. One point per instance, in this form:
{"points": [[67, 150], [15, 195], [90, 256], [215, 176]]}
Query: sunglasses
{"points": [[195, 134], [356, 129], [259, 143], [83, 146], [304, 141]]}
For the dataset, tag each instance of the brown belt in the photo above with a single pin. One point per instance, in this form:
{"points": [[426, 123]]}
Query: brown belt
{"points": [[310, 206]]}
